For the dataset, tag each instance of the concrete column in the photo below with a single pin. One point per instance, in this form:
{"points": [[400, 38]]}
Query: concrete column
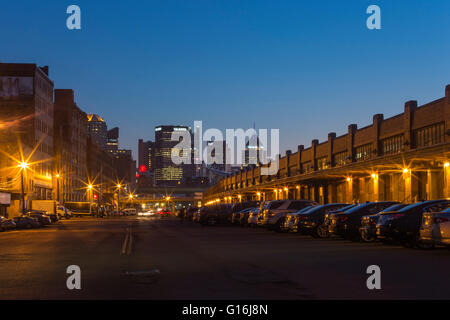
{"points": [[446, 182], [435, 184], [299, 158], [332, 193], [331, 137], [314, 144], [447, 111], [408, 116], [377, 120], [350, 141]]}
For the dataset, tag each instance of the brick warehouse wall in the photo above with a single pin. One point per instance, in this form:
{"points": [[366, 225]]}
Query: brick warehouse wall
{"points": [[400, 158]]}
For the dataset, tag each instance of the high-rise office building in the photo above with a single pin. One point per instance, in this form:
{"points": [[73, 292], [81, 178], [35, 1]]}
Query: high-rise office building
{"points": [[97, 129], [166, 171], [146, 154], [112, 141]]}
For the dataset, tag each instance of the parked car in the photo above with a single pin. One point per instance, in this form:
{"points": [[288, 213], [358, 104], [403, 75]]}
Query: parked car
{"points": [[243, 220], [322, 231], [190, 212], [347, 223], [254, 218], [25, 222], [310, 221], [435, 228], [40, 216], [274, 214], [218, 214], [290, 223], [53, 216], [404, 225], [368, 230], [236, 216], [6, 224]]}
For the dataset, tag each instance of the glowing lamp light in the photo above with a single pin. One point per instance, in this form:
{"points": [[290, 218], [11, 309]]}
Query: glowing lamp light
{"points": [[90, 187], [349, 179], [374, 175], [285, 189], [23, 165], [446, 164], [405, 170], [57, 175]]}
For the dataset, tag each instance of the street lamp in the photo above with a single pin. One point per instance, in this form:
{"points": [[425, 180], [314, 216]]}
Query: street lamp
{"points": [[57, 186], [90, 199], [23, 166], [118, 196]]}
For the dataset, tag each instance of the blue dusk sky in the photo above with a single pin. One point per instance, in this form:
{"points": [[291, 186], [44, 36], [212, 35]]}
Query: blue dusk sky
{"points": [[305, 67]]}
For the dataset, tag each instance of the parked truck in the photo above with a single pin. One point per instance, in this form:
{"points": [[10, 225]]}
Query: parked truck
{"points": [[81, 208], [51, 206]]}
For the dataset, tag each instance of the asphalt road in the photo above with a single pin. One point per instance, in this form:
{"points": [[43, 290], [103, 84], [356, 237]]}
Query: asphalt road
{"points": [[168, 260]]}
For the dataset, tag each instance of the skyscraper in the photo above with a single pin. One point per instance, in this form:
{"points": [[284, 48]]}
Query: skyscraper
{"points": [[97, 129], [112, 141], [166, 171], [146, 154]]}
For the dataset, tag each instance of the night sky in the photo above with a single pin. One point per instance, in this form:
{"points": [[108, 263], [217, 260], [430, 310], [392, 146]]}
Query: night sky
{"points": [[305, 67]]}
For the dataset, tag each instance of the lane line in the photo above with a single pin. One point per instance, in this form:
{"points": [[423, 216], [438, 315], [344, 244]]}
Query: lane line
{"points": [[125, 242], [130, 240]]}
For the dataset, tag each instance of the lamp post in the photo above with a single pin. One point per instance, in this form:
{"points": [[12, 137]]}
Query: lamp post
{"points": [[57, 187], [118, 197], [23, 166], [90, 199]]}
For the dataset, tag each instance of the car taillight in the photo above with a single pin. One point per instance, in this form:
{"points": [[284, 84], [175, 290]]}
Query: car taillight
{"points": [[344, 218]]}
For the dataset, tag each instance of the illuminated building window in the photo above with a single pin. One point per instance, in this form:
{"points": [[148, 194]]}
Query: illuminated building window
{"points": [[341, 158], [322, 163], [364, 152]]}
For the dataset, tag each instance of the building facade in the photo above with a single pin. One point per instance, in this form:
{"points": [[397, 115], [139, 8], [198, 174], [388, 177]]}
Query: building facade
{"points": [[70, 138], [112, 141], [167, 173], [126, 169], [97, 129], [405, 158], [26, 125]]}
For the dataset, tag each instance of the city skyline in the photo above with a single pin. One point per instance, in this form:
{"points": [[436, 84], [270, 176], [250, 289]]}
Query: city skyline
{"points": [[245, 60]]}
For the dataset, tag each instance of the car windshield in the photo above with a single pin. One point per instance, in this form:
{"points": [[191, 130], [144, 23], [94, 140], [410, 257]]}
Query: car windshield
{"points": [[308, 208], [297, 205], [345, 208], [356, 208], [414, 205], [394, 207], [273, 204]]}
